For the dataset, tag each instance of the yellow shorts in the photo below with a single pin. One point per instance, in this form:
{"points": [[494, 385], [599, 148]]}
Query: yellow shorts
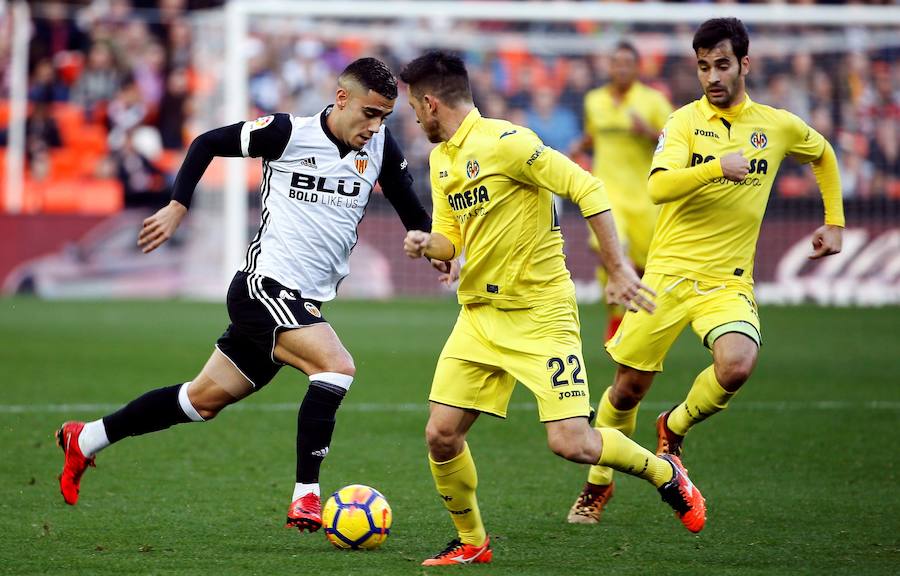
{"points": [[711, 308], [490, 349]]}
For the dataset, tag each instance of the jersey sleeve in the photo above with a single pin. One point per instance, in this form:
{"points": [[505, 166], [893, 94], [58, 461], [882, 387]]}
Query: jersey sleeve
{"points": [[267, 136], [808, 145], [527, 159], [397, 185], [673, 149], [443, 221]]}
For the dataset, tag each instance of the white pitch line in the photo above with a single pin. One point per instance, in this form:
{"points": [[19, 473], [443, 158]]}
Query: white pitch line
{"points": [[751, 406]]}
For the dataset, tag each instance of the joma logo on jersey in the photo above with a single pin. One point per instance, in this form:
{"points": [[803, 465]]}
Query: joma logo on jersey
{"points": [[760, 166], [707, 133], [320, 184], [469, 198]]}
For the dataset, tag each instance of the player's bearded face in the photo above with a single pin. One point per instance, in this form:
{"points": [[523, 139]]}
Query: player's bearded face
{"points": [[426, 120], [721, 74]]}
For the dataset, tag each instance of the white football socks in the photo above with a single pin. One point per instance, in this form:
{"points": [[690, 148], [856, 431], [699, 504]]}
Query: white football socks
{"points": [[301, 490], [93, 438]]}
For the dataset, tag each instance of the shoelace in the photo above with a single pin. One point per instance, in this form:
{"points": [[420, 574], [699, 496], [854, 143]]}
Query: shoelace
{"points": [[454, 544]]}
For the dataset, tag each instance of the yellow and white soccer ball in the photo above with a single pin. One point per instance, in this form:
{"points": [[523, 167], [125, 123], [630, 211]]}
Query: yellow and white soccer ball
{"points": [[357, 517]]}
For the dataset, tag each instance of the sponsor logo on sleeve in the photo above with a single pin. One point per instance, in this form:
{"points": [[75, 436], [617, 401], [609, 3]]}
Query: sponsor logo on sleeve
{"points": [[537, 154], [661, 142]]}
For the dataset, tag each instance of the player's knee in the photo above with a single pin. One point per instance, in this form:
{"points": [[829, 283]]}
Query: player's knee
{"points": [[346, 367], [629, 388], [444, 442], [571, 441], [733, 372], [564, 449]]}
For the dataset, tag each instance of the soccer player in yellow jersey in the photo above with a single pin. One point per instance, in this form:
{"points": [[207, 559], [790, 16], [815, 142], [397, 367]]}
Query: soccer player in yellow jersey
{"points": [[492, 187], [622, 122], [712, 172]]}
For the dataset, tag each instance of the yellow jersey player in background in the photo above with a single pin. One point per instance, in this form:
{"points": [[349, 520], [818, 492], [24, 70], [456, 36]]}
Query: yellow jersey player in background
{"points": [[622, 122], [492, 188], [712, 173]]}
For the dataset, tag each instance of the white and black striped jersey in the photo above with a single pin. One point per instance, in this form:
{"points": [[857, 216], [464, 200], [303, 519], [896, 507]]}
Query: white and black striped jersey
{"points": [[314, 193]]}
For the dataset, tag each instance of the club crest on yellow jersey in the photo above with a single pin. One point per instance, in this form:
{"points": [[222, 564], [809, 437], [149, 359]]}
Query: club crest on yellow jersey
{"points": [[758, 139], [472, 168]]}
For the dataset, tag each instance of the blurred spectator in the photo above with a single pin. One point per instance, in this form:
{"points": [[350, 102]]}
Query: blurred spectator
{"points": [[41, 130], [173, 109], [885, 156], [143, 183], [578, 83], [556, 125], [149, 75], [856, 171], [98, 83], [126, 112], [54, 31], [44, 85]]}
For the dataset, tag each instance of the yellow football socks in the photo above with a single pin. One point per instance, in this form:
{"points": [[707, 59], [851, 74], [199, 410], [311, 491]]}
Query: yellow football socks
{"points": [[608, 416], [626, 455], [705, 398], [456, 480]]}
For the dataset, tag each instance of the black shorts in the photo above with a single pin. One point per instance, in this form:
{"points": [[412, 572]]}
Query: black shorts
{"points": [[260, 308]]}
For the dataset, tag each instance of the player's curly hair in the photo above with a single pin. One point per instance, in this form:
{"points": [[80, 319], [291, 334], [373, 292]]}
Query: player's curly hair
{"points": [[439, 73], [715, 30], [372, 74]]}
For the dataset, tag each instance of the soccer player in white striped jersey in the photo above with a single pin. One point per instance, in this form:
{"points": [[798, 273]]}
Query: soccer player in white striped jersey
{"points": [[318, 176]]}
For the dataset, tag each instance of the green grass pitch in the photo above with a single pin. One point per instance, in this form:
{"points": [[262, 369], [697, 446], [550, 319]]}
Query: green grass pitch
{"points": [[800, 474]]}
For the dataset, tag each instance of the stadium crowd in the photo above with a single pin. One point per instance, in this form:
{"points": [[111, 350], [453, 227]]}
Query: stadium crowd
{"points": [[116, 88]]}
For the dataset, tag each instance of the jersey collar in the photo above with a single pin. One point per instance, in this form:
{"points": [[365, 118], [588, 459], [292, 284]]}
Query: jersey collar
{"points": [[709, 111], [343, 149], [464, 128]]}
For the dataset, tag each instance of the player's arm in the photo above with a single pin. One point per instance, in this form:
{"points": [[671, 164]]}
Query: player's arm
{"points": [[266, 137], [623, 285], [444, 242], [531, 162], [810, 146], [671, 175], [397, 185]]}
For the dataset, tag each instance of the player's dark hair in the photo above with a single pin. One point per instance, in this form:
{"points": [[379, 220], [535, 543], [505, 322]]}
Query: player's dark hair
{"points": [[440, 73], [626, 45], [372, 74], [715, 30]]}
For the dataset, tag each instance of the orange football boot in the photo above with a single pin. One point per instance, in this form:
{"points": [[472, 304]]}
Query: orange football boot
{"points": [[685, 498], [305, 513], [458, 553], [74, 464]]}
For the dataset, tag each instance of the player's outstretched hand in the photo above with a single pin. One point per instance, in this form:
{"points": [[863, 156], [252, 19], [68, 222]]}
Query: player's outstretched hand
{"points": [[161, 226], [734, 166], [826, 241], [449, 270], [625, 288], [415, 243]]}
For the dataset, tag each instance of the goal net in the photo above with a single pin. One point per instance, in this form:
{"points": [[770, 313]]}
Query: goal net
{"points": [[834, 66]]}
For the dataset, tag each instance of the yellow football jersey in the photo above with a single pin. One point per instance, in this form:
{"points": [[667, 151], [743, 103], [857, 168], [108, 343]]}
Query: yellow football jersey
{"points": [[492, 187], [712, 232], [621, 157]]}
